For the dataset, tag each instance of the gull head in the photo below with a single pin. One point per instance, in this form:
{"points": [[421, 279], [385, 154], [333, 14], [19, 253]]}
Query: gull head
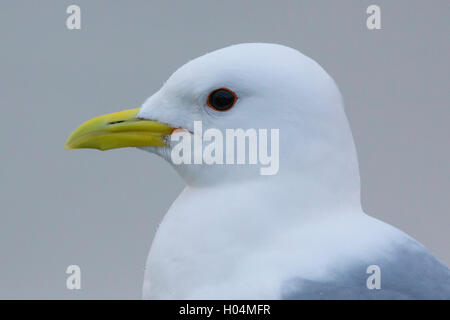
{"points": [[254, 87]]}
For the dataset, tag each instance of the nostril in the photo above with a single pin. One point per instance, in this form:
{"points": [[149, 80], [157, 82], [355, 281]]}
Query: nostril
{"points": [[115, 122]]}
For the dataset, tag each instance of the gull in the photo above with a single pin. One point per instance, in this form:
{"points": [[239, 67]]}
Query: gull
{"points": [[236, 234]]}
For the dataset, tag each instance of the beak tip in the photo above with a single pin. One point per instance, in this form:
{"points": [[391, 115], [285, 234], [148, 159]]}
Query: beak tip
{"points": [[68, 145]]}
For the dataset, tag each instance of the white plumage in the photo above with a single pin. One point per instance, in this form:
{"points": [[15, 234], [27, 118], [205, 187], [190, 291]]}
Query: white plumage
{"points": [[301, 233]]}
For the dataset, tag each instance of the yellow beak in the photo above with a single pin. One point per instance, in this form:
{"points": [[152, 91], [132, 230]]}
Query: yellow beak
{"points": [[118, 130]]}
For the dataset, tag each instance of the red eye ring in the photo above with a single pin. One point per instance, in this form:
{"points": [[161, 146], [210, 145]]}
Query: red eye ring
{"points": [[221, 99]]}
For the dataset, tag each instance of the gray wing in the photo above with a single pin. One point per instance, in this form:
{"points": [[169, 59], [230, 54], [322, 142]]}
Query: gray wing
{"points": [[407, 272]]}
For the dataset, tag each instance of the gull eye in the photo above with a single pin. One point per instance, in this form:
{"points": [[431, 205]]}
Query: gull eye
{"points": [[221, 99]]}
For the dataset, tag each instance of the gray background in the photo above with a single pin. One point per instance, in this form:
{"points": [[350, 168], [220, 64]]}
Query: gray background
{"points": [[100, 209]]}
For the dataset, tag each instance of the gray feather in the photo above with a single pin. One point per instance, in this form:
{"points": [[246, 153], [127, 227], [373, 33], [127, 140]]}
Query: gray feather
{"points": [[407, 272]]}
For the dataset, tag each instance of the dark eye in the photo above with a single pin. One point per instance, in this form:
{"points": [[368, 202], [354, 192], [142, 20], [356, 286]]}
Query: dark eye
{"points": [[221, 99]]}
